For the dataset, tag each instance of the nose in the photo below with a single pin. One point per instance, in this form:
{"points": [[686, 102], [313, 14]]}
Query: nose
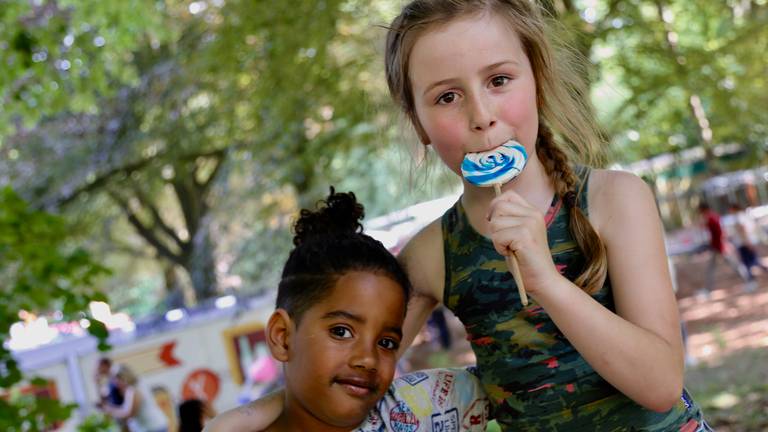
{"points": [[364, 356], [481, 116]]}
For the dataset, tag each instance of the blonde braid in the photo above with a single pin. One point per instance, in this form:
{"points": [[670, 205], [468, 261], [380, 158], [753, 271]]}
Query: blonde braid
{"points": [[564, 180]]}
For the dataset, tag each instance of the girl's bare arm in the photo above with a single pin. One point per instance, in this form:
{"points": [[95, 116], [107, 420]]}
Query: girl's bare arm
{"points": [[253, 417], [423, 260], [638, 349]]}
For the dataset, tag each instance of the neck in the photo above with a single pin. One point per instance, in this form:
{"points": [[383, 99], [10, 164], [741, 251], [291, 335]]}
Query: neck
{"points": [[533, 184]]}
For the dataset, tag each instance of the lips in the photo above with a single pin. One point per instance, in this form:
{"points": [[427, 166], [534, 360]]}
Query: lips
{"points": [[489, 146], [357, 386]]}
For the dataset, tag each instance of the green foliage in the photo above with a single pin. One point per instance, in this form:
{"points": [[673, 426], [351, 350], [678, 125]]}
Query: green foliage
{"points": [[192, 122], [266, 96], [654, 56], [98, 422], [28, 413], [66, 54], [40, 272]]}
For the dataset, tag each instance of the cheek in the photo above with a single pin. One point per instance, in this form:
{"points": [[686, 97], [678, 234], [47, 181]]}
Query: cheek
{"points": [[444, 126], [439, 124], [315, 359], [386, 373], [446, 135], [523, 113]]}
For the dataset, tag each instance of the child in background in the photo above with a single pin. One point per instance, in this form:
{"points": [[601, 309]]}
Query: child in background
{"points": [[337, 328], [105, 383], [744, 238], [599, 347], [194, 414], [138, 410], [719, 249]]}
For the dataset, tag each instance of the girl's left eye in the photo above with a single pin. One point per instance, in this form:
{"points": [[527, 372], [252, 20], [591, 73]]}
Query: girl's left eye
{"points": [[447, 98], [499, 80], [341, 332], [389, 344]]}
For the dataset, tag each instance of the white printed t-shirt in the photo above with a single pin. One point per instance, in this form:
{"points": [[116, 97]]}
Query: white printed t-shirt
{"points": [[444, 400]]}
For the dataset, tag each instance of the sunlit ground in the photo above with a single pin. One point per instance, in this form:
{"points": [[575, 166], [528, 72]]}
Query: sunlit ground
{"points": [[727, 346]]}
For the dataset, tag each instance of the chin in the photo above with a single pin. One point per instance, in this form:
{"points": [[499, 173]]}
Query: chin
{"points": [[350, 419]]}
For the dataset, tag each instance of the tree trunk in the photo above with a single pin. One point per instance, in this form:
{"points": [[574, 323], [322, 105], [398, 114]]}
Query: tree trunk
{"points": [[201, 264], [698, 112]]}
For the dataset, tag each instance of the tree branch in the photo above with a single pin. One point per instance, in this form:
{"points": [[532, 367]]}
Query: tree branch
{"points": [[102, 179], [219, 160], [146, 232], [189, 200], [157, 219]]}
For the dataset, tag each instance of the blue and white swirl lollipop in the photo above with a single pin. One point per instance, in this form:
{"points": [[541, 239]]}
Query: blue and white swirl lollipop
{"points": [[494, 168]]}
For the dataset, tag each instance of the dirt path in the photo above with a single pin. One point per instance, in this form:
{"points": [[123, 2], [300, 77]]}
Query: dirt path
{"points": [[730, 319]]}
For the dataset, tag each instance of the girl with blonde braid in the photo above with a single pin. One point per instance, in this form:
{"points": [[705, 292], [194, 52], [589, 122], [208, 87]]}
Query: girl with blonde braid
{"points": [[599, 346]]}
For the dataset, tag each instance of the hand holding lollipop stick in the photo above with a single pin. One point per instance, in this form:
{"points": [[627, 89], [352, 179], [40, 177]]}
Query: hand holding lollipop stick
{"points": [[494, 168]]}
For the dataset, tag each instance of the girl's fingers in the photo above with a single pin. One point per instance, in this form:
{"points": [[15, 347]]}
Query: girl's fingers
{"points": [[514, 228], [507, 208], [510, 203], [499, 223], [512, 238]]}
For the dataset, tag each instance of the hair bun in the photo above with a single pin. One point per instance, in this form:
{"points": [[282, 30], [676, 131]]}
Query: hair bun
{"points": [[338, 214]]}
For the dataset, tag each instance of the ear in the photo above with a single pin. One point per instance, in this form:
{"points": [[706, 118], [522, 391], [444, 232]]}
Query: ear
{"points": [[279, 331]]}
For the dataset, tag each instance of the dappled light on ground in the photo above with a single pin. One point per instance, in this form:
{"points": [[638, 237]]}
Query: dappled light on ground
{"points": [[725, 323]]}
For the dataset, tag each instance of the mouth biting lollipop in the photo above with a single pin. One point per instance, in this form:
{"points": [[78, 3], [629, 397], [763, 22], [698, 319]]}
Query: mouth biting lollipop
{"points": [[494, 168]]}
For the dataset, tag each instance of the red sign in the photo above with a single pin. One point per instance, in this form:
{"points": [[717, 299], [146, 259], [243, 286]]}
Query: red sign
{"points": [[166, 354], [150, 359], [201, 384]]}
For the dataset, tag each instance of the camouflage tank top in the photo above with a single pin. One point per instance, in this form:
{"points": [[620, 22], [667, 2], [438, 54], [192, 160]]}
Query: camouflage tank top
{"points": [[534, 378]]}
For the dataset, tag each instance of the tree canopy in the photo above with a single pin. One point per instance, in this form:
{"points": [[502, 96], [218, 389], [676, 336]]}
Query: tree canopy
{"points": [[152, 121]]}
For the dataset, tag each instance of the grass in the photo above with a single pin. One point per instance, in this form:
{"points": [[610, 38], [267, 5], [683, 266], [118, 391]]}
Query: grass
{"points": [[733, 393]]}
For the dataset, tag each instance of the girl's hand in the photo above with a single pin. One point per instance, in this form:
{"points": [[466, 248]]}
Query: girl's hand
{"points": [[516, 226]]}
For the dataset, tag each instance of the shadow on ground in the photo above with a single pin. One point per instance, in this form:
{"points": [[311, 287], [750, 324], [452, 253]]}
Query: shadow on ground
{"points": [[733, 392]]}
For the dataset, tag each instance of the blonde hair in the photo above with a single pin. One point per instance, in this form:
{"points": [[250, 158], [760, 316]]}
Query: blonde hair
{"points": [[125, 374], [567, 126]]}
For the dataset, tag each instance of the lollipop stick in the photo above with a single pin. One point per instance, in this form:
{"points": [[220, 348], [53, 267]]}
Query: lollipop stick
{"points": [[512, 264]]}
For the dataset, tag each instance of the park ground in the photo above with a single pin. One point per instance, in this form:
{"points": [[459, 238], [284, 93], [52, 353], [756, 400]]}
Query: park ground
{"points": [[727, 360]]}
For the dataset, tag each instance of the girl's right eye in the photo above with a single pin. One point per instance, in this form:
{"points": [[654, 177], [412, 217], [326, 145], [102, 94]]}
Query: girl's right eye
{"points": [[389, 344], [446, 98], [499, 80], [341, 332]]}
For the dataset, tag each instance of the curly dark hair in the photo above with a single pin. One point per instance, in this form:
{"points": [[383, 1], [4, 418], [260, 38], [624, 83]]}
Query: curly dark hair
{"points": [[329, 242]]}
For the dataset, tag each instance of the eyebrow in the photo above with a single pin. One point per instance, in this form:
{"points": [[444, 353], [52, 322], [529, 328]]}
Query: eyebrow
{"points": [[358, 319], [490, 67]]}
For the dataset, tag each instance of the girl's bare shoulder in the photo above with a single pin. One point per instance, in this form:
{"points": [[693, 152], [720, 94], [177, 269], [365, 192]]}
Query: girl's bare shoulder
{"points": [[614, 194], [423, 260]]}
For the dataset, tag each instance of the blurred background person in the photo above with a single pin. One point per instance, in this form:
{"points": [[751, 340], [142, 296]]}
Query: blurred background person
{"points": [[719, 248], [193, 415], [138, 409], [438, 326], [105, 383], [107, 389], [744, 236]]}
